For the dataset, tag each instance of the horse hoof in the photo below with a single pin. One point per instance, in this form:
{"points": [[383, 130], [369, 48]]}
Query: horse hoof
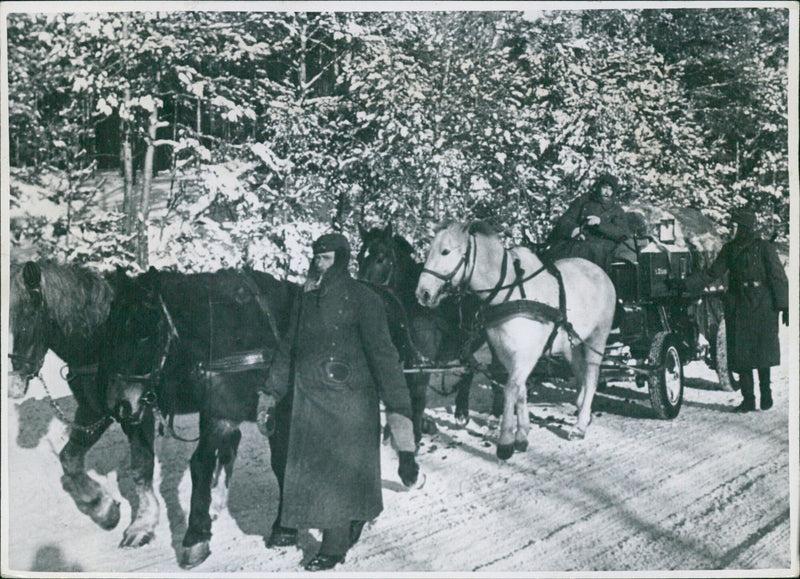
{"points": [[576, 434], [101, 508], [108, 517], [194, 555], [428, 426], [462, 419], [520, 445], [504, 451], [135, 539]]}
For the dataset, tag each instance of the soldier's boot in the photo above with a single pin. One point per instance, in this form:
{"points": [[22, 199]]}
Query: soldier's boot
{"points": [[764, 386], [748, 395]]}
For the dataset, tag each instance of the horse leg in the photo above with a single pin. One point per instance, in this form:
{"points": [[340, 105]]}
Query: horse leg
{"points": [[523, 419], [418, 389], [226, 456], [217, 437], [586, 365], [281, 536], [463, 388], [90, 498], [140, 437], [519, 359], [505, 446], [497, 374]]}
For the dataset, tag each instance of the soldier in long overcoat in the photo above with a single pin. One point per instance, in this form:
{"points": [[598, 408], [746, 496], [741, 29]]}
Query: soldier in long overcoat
{"points": [[757, 290], [592, 226], [339, 362]]}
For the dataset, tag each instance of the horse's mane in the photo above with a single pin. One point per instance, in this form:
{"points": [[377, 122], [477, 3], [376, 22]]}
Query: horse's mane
{"points": [[77, 299], [481, 228], [403, 245]]}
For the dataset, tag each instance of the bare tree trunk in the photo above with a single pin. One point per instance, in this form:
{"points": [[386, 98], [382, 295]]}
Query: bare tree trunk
{"points": [[302, 75], [129, 203], [142, 245], [129, 197]]}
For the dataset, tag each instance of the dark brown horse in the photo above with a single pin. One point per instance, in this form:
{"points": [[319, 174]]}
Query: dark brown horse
{"points": [[195, 343], [203, 342], [64, 309], [442, 335]]}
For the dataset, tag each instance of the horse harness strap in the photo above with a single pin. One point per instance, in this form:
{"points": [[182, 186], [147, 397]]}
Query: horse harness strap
{"points": [[519, 280], [494, 315], [262, 303]]}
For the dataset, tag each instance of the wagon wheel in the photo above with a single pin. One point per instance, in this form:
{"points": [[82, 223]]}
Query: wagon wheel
{"points": [[727, 381], [666, 381]]}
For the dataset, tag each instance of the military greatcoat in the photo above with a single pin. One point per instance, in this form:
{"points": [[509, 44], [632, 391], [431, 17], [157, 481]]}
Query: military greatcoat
{"points": [[757, 290], [339, 360], [599, 241]]}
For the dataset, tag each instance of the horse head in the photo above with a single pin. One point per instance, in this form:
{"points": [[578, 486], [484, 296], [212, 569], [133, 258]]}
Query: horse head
{"points": [[377, 259], [447, 267], [58, 307], [30, 327], [140, 336]]}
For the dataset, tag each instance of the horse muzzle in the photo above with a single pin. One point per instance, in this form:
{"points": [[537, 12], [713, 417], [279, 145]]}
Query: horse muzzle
{"points": [[18, 383], [132, 404], [429, 294]]}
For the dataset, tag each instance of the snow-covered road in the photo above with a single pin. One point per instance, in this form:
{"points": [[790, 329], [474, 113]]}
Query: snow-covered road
{"points": [[708, 490]]}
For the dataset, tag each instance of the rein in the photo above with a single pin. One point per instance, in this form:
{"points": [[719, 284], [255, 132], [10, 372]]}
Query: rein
{"points": [[471, 252]]}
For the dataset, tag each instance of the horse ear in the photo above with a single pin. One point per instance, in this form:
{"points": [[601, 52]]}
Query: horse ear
{"points": [[362, 232], [32, 275], [388, 232], [153, 281]]}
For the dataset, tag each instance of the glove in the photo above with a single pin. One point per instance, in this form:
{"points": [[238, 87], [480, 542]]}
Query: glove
{"points": [[785, 317], [575, 232], [592, 220], [265, 414], [408, 469], [676, 285]]}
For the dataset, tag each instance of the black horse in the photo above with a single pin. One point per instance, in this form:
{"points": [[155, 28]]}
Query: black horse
{"points": [[450, 332], [64, 309], [185, 343]]}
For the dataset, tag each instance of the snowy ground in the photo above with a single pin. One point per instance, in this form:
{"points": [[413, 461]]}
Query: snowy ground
{"points": [[709, 490]]}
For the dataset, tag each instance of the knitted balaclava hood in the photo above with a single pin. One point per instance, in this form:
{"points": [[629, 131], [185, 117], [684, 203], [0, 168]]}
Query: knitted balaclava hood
{"points": [[336, 243]]}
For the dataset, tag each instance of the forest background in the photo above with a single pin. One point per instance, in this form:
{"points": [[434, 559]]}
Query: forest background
{"points": [[269, 128]]}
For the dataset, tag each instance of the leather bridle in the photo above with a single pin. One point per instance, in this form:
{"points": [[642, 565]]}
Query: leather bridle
{"points": [[447, 278], [470, 254], [153, 378]]}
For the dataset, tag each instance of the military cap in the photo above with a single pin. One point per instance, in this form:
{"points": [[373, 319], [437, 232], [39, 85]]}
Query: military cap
{"points": [[331, 242], [606, 179], [744, 217]]}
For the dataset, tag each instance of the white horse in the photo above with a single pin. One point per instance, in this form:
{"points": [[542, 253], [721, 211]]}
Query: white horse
{"points": [[527, 310]]}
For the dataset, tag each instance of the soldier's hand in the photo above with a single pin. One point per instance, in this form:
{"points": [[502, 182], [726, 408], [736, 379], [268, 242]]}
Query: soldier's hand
{"points": [[575, 232], [265, 414], [785, 317], [408, 469], [592, 220]]}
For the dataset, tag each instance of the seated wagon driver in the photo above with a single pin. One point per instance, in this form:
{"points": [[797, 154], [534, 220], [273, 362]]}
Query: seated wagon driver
{"points": [[592, 226]]}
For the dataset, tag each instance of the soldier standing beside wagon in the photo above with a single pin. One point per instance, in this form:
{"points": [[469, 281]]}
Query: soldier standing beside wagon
{"points": [[757, 290]]}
